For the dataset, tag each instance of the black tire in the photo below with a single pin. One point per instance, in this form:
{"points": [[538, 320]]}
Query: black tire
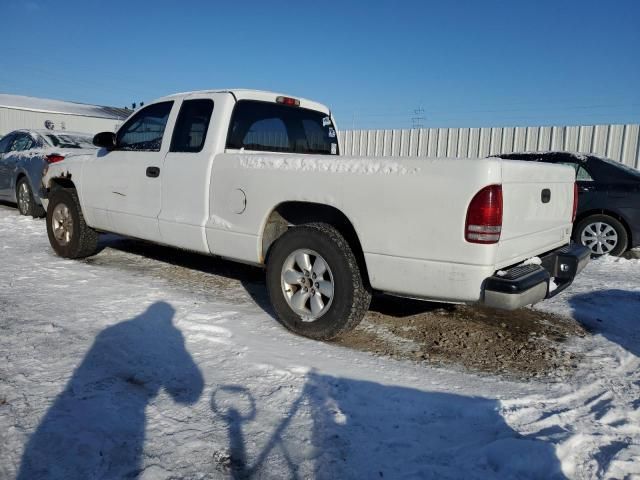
{"points": [[28, 206], [83, 241], [351, 297], [583, 228]]}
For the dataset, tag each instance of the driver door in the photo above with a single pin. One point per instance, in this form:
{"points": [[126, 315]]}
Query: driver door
{"points": [[127, 179]]}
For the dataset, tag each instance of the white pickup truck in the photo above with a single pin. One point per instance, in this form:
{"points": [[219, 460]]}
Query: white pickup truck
{"points": [[257, 177]]}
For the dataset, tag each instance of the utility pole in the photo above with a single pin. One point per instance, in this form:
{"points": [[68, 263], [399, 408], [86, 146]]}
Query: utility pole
{"points": [[417, 121]]}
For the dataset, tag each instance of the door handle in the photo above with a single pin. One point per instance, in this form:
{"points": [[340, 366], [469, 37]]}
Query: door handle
{"points": [[153, 172]]}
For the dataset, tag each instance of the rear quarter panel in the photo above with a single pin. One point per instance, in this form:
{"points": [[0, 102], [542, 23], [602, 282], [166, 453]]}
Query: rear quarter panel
{"points": [[413, 208], [409, 214]]}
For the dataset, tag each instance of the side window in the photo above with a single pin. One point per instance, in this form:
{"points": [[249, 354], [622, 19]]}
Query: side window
{"points": [[274, 127], [144, 131], [583, 176], [191, 128], [20, 143]]}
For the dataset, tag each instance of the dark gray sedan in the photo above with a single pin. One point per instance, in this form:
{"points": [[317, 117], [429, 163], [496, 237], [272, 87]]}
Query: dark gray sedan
{"points": [[24, 156]]}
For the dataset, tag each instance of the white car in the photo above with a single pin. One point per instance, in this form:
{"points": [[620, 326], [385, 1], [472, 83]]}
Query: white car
{"points": [[257, 177]]}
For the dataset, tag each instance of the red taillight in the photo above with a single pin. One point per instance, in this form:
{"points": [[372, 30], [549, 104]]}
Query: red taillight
{"points": [[484, 216], [294, 102], [575, 202], [53, 158]]}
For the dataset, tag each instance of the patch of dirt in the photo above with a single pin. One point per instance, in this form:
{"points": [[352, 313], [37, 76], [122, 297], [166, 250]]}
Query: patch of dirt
{"points": [[524, 343]]}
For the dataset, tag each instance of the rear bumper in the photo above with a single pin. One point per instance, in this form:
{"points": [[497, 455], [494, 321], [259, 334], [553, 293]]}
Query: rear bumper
{"points": [[527, 284]]}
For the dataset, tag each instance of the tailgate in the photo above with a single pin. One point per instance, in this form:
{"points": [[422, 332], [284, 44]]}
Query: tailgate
{"points": [[537, 209]]}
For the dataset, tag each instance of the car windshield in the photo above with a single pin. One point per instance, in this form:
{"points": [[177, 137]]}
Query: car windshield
{"points": [[65, 140]]}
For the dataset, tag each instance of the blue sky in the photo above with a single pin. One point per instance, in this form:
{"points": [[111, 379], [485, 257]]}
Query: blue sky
{"points": [[466, 63]]}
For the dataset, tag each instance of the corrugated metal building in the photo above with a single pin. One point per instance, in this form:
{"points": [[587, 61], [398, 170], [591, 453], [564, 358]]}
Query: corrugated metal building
{"points": [[618, 142], [18, 112]]}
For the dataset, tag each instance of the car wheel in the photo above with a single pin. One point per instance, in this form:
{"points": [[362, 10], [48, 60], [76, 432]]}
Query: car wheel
{"points": [[26, 202], [602, 234], [314, 282], [24, 197], [68, 233]]}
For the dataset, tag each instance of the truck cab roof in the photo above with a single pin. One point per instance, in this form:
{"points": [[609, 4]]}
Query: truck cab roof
{"points": [[248, 94]]}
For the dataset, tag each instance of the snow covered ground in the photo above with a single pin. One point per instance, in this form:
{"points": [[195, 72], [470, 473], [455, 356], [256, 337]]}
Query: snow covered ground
{"points": [[114, 372]]}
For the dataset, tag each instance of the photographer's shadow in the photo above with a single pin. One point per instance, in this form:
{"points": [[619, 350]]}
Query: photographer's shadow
{"points": [[95, 428]]}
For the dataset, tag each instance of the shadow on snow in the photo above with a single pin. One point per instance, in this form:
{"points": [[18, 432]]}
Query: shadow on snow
{"points": [[339, 427], [613, 313], [361, 429], [95, 428]]}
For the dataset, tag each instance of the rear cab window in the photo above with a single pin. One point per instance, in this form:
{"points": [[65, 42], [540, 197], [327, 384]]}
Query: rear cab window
{"points": [[272, 127]]}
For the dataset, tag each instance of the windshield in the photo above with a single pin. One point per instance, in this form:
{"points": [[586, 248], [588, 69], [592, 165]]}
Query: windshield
{"points": [[64, 140]]}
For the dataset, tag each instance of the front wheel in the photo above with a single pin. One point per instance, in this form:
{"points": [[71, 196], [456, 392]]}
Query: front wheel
{"points": [[602, 234], [314, 282], [68, 233]]}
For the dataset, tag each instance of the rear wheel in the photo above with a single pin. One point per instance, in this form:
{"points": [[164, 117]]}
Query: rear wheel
{"points": [[68, 233], [602, 234], [26, 202], [314, 282]]}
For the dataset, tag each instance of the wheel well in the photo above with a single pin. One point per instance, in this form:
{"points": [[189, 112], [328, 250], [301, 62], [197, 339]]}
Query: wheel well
{"points": [[290, 214], [603, 211], [19, 177], [60, 182]]}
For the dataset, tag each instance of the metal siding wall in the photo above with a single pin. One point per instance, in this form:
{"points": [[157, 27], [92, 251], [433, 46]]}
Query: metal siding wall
{"points": [[520, 139], [474, 142], [557, 138], [600, 139], [463, 143], [485, 142], [496, 141], [508, 135], [614, 145], [619, 142], [630, 146], [13, 119], [544, 138]]}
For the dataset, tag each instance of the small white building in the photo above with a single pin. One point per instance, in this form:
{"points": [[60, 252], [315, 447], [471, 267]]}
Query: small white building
{"points": [[17, 112]]}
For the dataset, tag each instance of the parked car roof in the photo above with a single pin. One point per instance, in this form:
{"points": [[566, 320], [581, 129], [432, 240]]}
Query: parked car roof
{"points": [[607, 169]]}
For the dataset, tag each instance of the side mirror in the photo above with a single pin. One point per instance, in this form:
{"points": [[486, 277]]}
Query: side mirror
{"points": [[105, 139]]}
